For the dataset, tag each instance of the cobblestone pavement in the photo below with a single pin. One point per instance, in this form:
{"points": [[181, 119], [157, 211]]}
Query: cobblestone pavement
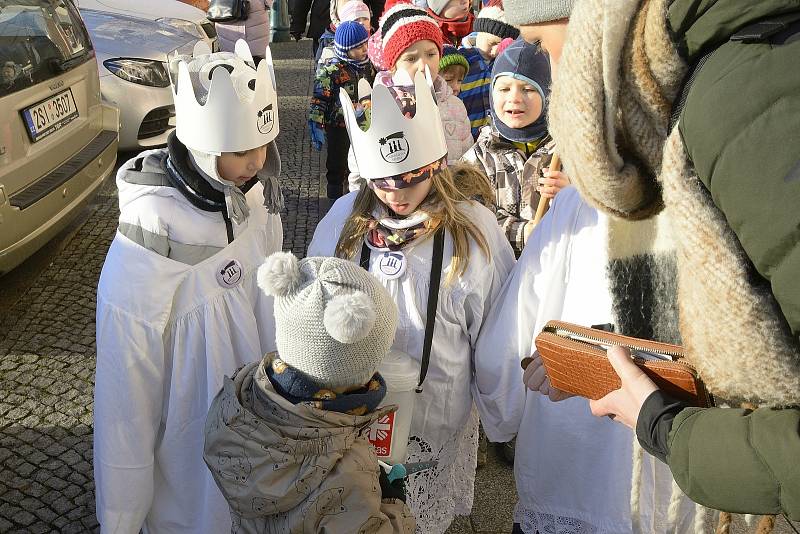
{"points": [[47, 351]]}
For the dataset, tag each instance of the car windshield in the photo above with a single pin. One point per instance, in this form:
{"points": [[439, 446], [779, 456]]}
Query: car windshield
{"points": [[39, 39]]}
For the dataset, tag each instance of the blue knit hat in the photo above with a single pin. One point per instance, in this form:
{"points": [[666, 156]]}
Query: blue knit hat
{"points": [[529, 63], [349, 34]]}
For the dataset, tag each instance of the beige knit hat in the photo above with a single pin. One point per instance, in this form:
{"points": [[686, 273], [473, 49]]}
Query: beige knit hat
{"points": [[333, 320], [521, 12]]}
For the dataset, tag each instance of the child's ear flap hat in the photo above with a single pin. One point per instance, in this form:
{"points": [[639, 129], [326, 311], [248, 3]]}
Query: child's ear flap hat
{"points": [[528, 63], [334, 321]]}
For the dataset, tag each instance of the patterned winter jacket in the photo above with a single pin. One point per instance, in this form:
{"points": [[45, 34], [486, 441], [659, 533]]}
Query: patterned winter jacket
{"points": [[513, 178], [295, 468], [333, 76]]}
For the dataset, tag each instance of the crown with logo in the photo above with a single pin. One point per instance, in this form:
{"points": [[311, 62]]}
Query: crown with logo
{"points": [[394, 143], [223, 103]]}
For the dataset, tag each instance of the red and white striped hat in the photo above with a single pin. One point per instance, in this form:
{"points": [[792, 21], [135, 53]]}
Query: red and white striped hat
{"points": [[401, 26]]}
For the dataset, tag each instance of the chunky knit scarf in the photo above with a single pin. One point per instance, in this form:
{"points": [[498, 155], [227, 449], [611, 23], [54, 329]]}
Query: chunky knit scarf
{"points": [[670, 247]]}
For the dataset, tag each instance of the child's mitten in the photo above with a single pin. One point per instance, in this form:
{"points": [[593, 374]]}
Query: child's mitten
{"points": [[317, 134]]}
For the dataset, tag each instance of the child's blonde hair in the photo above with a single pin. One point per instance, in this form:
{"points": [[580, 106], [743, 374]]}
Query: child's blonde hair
{"points": [[451, 185]]}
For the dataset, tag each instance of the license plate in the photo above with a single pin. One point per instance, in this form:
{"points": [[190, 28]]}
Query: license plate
{"points": [[49, 115]]}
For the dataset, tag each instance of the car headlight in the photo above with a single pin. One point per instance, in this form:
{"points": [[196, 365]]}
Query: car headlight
{"points": [[185, 26], [142, 71]]}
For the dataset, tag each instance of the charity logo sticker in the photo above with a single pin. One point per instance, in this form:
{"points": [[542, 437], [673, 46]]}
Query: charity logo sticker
{"points": [[394, 147], [266, 120], [392, 265], [380, 435], [229, 274]]}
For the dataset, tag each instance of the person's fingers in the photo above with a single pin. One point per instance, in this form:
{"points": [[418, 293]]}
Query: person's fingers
{"points": [[534, 374], [620, 360], [604, 405]]}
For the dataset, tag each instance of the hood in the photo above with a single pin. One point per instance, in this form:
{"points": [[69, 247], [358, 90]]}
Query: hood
{"points": [[267, 454], [698, 26], [116, 35]]}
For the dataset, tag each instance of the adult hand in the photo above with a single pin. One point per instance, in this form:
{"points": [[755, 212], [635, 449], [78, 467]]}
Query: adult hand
{"points": [[624, 404], [535, 379], [551, 183]]}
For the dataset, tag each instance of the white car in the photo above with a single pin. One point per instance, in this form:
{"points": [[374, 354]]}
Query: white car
{"points": [[133, 56], [170, 12]]}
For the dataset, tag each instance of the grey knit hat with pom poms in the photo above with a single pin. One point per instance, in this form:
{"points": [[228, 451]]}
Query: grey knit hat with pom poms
{"points": [[334, 321]]}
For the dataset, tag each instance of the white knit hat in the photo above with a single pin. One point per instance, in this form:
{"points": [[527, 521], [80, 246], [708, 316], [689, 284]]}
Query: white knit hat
{"points": [[334, 321], [522, 12]]}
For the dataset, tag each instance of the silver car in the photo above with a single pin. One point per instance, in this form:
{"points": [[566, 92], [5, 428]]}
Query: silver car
{"points": [[171, 12], [132, 56]]}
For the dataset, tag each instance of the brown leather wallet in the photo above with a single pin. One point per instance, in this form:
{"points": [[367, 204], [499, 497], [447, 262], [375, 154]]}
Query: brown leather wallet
{"points": [[575, 360]]}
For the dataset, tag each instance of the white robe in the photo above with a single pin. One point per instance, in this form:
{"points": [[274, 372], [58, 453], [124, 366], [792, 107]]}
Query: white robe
{"points": [[573, 470], [167, 334], [444, 425]]}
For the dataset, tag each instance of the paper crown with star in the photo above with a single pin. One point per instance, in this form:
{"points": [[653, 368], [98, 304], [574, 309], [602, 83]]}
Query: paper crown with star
{"points": [[395, 144], [223, 103]]}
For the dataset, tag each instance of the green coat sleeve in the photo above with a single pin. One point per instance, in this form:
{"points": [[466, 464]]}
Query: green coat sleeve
{"points": [[739, 461]]}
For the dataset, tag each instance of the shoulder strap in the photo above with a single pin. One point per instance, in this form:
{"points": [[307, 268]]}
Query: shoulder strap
{"points": [[433, 297], [433, 303]]}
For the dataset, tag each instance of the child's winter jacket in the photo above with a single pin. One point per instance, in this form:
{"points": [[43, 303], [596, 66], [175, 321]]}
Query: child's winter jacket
{"points": [[332, 76], [513, 177], [287, 467]]}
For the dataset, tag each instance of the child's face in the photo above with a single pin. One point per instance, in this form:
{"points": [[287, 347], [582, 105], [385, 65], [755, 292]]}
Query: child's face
{"points": [[239, 167], [364, 21], [455, 9], [454, 75], [358, 53], [406, 200], [516, 102], [487, 44], [415, 57]]}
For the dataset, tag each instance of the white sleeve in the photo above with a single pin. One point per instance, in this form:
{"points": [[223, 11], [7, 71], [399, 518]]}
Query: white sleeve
{"points": [[508, 333], [353, 178], [128, 405]]}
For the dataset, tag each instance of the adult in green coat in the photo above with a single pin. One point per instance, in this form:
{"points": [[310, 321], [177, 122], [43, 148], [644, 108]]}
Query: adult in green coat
{"points": [[713, 202]]}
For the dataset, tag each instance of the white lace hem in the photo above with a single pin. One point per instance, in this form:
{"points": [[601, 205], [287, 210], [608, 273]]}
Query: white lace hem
{"points": [[534, 522], [439, 494]]}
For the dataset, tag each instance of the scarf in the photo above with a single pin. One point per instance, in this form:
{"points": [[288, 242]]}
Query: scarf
{"points": [[357, 64], [394, 233], [454, 30], [670, 248], [296, 387]]}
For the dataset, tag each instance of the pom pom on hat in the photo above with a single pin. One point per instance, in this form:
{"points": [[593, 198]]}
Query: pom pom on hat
{"points": [[492, 20], [279, 275], [450, 57], [349, 318], [403, 25], [334, 321]]}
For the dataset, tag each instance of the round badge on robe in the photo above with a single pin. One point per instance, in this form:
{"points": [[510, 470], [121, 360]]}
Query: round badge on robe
{"points": [[229, 274], [392, 265]]}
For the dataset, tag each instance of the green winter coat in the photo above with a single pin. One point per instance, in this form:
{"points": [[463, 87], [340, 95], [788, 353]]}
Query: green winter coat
{"points": [[741, 127]]}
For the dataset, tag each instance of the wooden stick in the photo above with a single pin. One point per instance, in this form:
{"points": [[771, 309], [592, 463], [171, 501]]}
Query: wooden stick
{"points": [[555, 165]]}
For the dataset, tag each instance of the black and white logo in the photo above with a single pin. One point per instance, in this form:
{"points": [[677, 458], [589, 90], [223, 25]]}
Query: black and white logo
{"points": [[229, 274], [392, 265], [266, 120], [394, 148]]}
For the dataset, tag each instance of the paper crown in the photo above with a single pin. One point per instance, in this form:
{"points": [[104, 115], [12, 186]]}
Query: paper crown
{"points": [[240, 111], [395, 144]]}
